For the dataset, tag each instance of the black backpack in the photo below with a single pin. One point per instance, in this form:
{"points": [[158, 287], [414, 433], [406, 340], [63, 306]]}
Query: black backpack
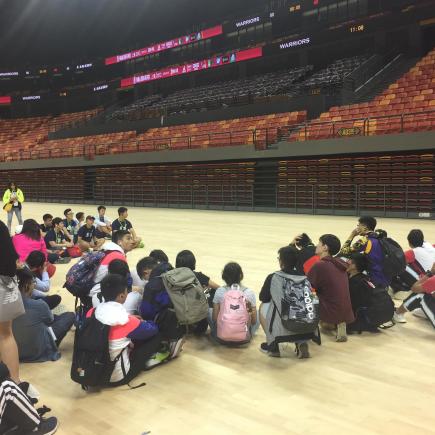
{"points": [[91, 364], [381, 307], [394, 258]]}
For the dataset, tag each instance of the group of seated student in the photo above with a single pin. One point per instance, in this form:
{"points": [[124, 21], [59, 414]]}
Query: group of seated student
{"points": [[137, 305]]}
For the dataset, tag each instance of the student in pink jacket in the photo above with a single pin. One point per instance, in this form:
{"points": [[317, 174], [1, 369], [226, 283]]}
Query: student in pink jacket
{"points": [[29, 240]]}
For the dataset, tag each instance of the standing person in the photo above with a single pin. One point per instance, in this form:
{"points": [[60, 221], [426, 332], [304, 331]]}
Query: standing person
{"points": [[328, 276], [12, 203], [11, 303], [123, 224]]}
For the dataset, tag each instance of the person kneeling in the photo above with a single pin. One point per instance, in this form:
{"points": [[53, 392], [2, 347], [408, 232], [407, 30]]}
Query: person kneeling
{"points": [[289, 308], [38, 332], [234, 313], [135, 344]]}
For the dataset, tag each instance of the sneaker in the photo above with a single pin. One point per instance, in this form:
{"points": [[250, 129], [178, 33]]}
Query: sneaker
{"points": [[47, 426], [399, 318], [156, 359], [341, 336], [302, 351], [270, 350], [175, 347]]}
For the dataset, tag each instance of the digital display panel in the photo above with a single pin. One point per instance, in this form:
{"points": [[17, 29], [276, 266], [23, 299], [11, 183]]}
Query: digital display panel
{"points": [[5, 100], [167, 45], [213, 62]]}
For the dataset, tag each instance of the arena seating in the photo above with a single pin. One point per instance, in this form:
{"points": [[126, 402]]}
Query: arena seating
{"points": [[407, 105], [19, 137]]}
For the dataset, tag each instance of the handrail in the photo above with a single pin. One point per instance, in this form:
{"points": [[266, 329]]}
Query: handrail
{"points": [[261, 138]]}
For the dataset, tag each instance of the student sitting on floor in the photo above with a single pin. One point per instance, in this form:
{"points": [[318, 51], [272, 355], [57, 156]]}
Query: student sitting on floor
{"points": [[38, 332], [123, 224], [288, 277], [86, 239], [159, 256], [423, 296], [102, 224], [371, 305], [80, 219], [139, 342], [46, 225], [307, 253], [230, 321], [57, 239], [38, 266], [187, 259], [328, 276], [142, 272], [134, 297]]}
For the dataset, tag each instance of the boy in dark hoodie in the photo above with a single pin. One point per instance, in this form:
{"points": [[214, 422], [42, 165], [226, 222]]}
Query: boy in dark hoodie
{"points": [[328, 276]]}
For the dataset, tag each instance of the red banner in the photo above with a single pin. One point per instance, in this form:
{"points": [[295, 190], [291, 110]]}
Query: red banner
{"points": [[214, 62], [156, 48]]}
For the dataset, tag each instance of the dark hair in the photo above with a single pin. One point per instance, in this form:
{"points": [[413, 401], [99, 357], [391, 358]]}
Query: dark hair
{"points": [[35, 259], [369, 221], [66, 211], [119, 235], [25, 276], [332, 242], [101, 207], [361, 261], [56, 221], [186, 259], [119, 267], [232, 274], [122, 210], [79, 215], [47, 216], [8, 254], [288, 256], [159, 256], [113, 285], [304, 240], [10, 185], [415, 238], [144, 264], [31, 229]]}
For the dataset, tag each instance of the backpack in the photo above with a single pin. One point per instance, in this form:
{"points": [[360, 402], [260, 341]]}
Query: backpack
{"points": [[381, 307], [394, 262], [299, 306], [80, 278], [91, 365], [233, 318], [186, 294]]}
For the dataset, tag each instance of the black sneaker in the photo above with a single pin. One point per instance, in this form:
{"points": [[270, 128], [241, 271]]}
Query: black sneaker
{"points": [[272, 350], [48, 426]]}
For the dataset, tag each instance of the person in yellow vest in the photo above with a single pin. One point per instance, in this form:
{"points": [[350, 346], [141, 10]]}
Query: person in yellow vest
{"points": [[13, 199]]}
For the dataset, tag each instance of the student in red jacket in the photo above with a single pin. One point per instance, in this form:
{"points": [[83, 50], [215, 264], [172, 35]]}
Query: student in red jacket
{"points": [[328, 276]]}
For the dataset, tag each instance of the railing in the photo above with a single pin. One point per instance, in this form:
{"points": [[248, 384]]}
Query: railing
{"points": [[261, 138], [401, 200]]}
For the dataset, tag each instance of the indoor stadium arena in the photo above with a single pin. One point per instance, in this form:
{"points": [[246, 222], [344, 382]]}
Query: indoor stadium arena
{"points": [[218, 217]]}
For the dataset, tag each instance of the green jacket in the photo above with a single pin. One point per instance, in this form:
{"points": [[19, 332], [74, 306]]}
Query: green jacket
{"points": [[7, 196]]}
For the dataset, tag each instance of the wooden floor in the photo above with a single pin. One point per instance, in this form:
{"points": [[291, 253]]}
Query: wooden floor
{"points": [[373, 384]]}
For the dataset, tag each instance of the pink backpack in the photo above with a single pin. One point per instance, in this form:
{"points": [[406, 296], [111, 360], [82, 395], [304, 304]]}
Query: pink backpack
{"points": [[233, 318]]}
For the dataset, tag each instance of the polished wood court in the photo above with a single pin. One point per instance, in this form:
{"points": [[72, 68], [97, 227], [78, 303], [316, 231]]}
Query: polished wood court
{"points": [[373, 384]]}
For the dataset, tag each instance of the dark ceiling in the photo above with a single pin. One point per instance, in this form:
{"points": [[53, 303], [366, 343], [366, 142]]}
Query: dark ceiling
{"points": [[38, 32]]}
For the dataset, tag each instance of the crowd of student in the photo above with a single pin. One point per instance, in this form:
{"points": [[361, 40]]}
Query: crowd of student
{"points": [[147, 311]]}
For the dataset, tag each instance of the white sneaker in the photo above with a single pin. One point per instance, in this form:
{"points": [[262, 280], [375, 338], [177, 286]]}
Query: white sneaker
{"points": [[418, 312], [399, 318]]}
